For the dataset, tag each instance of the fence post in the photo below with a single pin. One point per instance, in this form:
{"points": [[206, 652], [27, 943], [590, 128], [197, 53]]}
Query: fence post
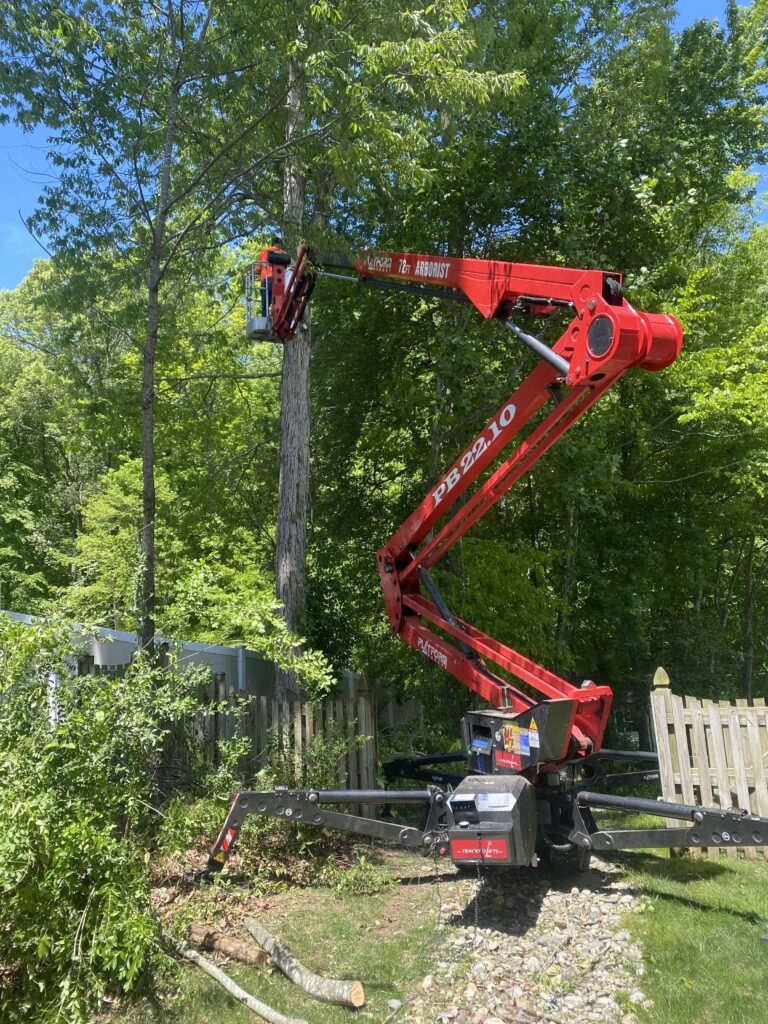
{"points": [[661, 713]]}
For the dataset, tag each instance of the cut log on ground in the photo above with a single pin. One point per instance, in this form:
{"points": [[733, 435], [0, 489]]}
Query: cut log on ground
{"points": [[329, 990], [264, 1011], [207, 937]]}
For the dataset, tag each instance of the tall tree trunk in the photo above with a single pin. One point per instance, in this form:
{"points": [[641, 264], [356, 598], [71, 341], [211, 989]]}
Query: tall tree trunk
{"points": [[747, 647], [147, 610], [293, 487], [565, 590]]}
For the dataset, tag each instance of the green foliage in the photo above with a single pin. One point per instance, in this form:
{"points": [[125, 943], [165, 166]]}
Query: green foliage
{"points": [[270, 852], [78, 759], [362, 878], [220, 605], [454, 128], [590, 135]]}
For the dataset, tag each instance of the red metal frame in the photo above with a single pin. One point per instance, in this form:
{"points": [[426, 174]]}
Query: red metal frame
{"points": [[289, 301], [597, 356]]}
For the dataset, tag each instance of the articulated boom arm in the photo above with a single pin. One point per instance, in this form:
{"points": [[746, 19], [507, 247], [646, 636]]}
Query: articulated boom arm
{"points": [[605, 338]]}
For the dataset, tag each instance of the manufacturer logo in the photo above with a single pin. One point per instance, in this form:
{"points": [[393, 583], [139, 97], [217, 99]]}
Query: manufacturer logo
{"points": [[479, 849], [383, 264], [508, 759], [428, 649]]}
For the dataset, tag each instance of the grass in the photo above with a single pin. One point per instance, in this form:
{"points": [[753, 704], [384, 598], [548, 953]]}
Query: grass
{"points": [[700, 931], [385, 940], [701, 938]]}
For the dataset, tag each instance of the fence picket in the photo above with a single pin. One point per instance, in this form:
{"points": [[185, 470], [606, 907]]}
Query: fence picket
{"points": [[659, 706], [354, 778], [309, 725], [740, 770], [760, 805], [701, 758], [713, 747], [683, 756], [721, 764], [717, 750], [336, 727], [298, 740]]}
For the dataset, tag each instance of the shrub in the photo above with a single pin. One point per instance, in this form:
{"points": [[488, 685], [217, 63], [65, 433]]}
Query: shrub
{"points": [[79, 757], [269, 851], [360, 878]]}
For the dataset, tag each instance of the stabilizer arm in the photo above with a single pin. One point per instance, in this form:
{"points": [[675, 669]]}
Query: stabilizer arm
{"points": [[306, 807], [712, 826]]}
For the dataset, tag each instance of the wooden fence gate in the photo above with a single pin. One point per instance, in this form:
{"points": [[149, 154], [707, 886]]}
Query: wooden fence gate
{"points": [[713, 753]]}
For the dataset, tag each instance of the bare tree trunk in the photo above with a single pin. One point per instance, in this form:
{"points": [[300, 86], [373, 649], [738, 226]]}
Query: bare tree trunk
{"points": [[565, 591], [147, 607], [747, 647], [294, 477], [291, 561], [148, 382]]}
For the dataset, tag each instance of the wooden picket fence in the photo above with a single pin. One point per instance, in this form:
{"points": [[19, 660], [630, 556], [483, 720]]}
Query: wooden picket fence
{"points": [[712, 753], [286, 729]]}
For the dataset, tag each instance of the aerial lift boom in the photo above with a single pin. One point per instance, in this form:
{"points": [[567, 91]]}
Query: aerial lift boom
{"points": [[527, 757]]}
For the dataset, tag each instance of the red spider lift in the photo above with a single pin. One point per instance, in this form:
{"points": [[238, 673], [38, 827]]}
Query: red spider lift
{"points": [[528, 760], [291, 291]]}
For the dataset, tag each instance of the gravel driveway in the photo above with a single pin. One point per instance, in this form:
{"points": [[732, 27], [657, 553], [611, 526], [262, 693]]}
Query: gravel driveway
{"points": [[532, 946]]}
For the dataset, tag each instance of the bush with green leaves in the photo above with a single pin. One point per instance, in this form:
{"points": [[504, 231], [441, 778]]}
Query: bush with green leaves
{"points": [[270, 852], [362, 877], [79, 758]]}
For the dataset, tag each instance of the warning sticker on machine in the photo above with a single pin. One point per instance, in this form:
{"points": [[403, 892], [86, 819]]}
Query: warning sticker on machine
{"points": [[479, 849], [508, 759], [533, 735], [515, 737]]}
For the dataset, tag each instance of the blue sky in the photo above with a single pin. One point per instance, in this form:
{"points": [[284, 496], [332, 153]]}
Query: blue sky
{"points": [[23, 172]]}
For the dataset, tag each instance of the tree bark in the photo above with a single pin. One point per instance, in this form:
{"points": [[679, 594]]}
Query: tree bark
{"points": [[327, 990], [228, 985], [565, 590], [748, 645], [207, 937], [149, 508], [294, 477], [293, 486]]}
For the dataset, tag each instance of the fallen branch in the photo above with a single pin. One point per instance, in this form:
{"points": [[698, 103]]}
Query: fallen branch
{"points": [[329, 990], [206, 937], [264, 1011]]}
